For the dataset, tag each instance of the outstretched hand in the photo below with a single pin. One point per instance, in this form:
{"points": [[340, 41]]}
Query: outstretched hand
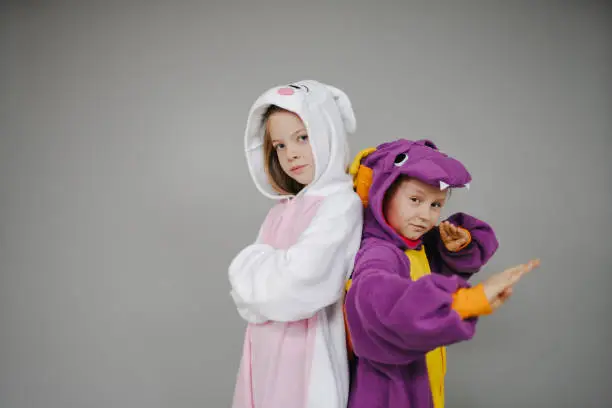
{"points": [[498, 288], [453, 237]]}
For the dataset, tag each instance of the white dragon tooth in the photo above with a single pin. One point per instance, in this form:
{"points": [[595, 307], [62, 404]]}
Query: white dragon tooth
{"points": [[443, 186], [467, 186]]}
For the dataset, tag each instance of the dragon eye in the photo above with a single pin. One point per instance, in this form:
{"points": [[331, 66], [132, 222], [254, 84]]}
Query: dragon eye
{"points": [[400, 159]]}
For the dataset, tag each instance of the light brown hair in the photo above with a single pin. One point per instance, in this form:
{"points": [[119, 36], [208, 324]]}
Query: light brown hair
{"points": [[277, 177]]}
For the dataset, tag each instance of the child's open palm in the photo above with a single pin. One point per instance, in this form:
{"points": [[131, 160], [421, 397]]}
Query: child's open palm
{"points": [[498, 287], [454, 238]]}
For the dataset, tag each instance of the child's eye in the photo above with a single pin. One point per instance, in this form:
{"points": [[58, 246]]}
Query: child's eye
{"points": [[303, 138], [437, 205], [279, 146], [414, 199]]}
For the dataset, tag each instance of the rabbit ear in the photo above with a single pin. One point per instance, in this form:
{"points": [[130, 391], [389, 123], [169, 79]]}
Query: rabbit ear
{"points": [[345, 107]]}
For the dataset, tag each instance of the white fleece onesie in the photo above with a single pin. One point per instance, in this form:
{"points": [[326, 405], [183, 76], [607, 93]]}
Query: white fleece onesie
{"points": [[289, 284]]}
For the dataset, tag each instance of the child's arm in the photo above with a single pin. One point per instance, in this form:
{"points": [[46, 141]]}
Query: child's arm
{"points": [[243, 310], [293, 284], [393, 320], [465, 262]]}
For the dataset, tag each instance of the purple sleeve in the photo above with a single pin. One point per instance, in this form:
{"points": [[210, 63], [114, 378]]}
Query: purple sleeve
{"points": [[393, 320], [470, 259]]}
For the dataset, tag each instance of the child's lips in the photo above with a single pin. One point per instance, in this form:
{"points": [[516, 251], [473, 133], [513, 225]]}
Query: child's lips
{"points": [[298, 169]]}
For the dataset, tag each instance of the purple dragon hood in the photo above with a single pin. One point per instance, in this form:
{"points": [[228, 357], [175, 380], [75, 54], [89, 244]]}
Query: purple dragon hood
{"points": [[375, 169], [396, 318]]}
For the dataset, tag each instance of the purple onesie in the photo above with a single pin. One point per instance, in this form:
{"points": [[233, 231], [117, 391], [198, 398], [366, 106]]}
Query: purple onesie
{"points": [[397, 323]]}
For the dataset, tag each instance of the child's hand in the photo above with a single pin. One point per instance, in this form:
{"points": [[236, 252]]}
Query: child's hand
{"points": [[498, 287], [453, 237]]}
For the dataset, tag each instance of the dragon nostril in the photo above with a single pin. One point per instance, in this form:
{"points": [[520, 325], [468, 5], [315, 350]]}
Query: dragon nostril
{"points": [[430, 144]]}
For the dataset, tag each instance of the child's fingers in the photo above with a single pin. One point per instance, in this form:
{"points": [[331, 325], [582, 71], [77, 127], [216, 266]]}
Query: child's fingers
{"points": [[505, 295], [509, 277], [503, 281], [457, 235], [516, 273], [459, 241], [513, 279], [496, 303], [529, 266], [447, 226], [444, 231], [534, 263], [501, 298], [462, 232]]}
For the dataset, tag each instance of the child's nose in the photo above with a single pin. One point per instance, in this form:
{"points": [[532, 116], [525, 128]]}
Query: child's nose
{"points": [[424, 212], [292, 153]]}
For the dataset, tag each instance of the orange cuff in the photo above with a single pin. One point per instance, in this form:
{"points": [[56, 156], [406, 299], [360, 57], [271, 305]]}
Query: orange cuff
{"points": [[471, 302]]}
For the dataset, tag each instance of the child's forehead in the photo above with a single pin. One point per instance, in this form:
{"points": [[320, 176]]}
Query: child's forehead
{"points": [[415, 185]]}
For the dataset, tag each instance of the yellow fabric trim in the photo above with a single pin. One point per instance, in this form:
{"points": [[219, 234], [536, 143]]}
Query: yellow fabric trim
{"points": [[436, 359], [354, 167], [362, 175], [349, 344], [362, 184]]}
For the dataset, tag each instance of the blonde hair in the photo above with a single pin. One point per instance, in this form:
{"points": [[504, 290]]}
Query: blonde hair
{"points": [[278, 179]]}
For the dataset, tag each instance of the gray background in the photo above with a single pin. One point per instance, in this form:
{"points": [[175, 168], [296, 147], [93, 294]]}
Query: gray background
{"points": [[124, 191]]}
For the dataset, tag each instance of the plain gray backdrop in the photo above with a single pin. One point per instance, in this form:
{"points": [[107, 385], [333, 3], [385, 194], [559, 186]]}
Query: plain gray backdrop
{"points": [[124, 192]]}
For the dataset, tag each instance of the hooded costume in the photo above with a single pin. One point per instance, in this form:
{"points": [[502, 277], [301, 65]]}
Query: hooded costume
{"points": [[289, 284], [408, 299]]}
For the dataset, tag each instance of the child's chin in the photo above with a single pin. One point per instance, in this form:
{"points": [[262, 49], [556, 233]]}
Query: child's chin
{"points": [[414, 236], [304, 180]]}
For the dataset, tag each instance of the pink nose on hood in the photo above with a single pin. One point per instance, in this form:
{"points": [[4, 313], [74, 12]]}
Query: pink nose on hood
{"points": [[285, 91]]}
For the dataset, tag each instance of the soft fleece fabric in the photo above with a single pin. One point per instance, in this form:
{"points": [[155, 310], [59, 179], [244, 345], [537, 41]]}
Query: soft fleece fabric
{"points": [[289, 284], [399, 307]]}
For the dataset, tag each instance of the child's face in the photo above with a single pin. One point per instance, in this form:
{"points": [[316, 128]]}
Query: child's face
{"points": [[290, 140], [414, 208]]}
